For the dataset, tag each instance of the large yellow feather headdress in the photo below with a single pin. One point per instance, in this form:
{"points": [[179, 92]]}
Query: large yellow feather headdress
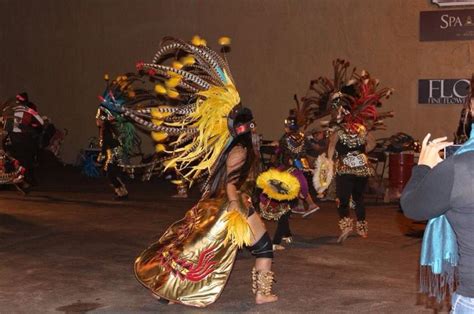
{"points": [[197, 92]]}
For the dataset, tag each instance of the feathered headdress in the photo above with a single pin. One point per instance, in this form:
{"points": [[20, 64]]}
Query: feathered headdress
{"points": [[367, 100], [190, 122], [117, 93], [317, 101], [357, 94]]}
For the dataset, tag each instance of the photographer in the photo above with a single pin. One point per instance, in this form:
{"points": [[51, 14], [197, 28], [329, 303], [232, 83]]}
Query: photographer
{"points": [[443, 191]]}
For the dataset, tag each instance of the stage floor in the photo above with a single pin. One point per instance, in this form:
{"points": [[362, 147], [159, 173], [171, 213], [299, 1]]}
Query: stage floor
{"points": [[68, 247]]}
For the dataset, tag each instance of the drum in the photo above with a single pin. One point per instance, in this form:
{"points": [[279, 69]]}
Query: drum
{"points": [[399, 169]]}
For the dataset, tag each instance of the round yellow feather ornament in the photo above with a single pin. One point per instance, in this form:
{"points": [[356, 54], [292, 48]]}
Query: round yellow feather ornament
{"points": [[279, 185]]}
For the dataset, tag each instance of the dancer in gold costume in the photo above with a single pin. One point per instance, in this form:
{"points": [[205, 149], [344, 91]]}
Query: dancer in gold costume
{"points": [[207, 133]]}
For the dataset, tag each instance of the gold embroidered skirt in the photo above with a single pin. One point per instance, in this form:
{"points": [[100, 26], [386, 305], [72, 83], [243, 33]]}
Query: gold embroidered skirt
{"points": [[191, 262]]}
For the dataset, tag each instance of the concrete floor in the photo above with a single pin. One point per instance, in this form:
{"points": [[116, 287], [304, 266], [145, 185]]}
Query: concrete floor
{"points": [[68, 248]]}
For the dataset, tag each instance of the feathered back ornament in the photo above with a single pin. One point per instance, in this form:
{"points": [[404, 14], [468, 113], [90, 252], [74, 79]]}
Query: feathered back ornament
{"points": [[368, 98], [358, 99], [118, 92], [358, 95], [195, 93], [317, 101]]}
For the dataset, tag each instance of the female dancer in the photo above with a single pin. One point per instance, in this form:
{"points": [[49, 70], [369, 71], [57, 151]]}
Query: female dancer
{"points": [[207, 133]]}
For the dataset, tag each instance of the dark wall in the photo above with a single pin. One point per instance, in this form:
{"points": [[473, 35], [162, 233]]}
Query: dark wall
{"points": [[58, 50]]}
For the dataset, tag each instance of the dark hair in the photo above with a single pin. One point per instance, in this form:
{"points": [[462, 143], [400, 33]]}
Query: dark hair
{"points": [[220, 176], [349, 90]]}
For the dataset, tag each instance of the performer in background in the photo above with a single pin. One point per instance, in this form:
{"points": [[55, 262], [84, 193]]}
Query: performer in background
{"points": [[355, 106], [292, 158], [117, 137], [207, 133], [110, 152], [23, 125]]}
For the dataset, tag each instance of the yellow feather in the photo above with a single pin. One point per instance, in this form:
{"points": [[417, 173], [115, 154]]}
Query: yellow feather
{"points": [[188, 60], [160, 89], [210, 119], [173, 81], [159, 136], [224, 41], [288, 185], [159, 148], [177, 65], [169, 164], [173, 74], [172, 93], [180, 137], [238, 229], [157, 121], [157, 114], [196, 40], [203, 42]]}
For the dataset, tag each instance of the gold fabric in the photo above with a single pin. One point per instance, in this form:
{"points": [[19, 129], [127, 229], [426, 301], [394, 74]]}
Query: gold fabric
{"points": [[191, 262]]}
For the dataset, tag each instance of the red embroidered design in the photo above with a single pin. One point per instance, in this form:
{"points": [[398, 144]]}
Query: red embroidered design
{"points": [[187, 270], [199, 271], [169, 255]]}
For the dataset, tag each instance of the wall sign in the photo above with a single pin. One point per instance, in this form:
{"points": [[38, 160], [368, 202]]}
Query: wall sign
{"points": [[447, 25], [452, 3], [443, 91]]}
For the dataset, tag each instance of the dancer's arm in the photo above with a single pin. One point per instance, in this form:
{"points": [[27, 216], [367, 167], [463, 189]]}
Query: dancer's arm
{"points": [[332, 145], [234, 163], [371, 143]]}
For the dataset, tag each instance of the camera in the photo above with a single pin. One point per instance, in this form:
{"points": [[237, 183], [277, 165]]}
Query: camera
{"points": [[450, 150]]}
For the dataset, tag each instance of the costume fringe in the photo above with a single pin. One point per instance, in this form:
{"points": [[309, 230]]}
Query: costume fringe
{"points": [[238, 229], [439, 286]]}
